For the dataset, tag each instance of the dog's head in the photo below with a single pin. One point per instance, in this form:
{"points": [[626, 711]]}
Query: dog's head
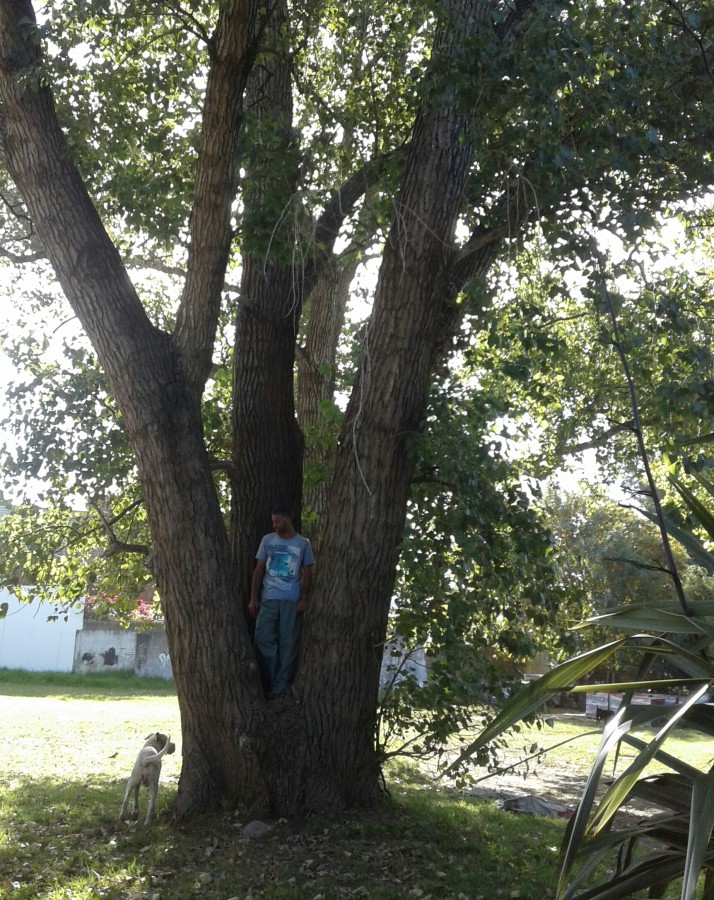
{"points": [[158, 741]]}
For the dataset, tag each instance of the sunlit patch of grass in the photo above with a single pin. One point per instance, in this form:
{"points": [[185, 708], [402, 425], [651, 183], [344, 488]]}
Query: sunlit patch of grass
{"points": [[65, 761], [93, 685]]}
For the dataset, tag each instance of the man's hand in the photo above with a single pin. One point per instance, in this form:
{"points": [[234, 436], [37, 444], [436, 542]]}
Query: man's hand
{"points": [[302, 603], [253, 607]]}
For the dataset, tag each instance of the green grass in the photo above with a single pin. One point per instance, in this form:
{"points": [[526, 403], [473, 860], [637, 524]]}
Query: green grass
{"points": [[573, 742], [67, 744], [65, 757], [93, 685], [58, 845]]}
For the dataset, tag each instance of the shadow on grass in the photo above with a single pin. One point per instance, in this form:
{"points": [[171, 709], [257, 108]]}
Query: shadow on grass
{"points": [[63, 840]]}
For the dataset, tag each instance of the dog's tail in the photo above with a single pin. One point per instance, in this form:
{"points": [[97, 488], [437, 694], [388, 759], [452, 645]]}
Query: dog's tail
{"points": [[163, 751]]}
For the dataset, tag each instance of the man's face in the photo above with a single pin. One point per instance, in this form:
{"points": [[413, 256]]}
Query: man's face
{"points": [[281, 524]]}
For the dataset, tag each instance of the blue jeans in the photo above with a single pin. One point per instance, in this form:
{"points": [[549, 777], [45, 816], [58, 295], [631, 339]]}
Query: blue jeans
{"points": [[277, 633]]}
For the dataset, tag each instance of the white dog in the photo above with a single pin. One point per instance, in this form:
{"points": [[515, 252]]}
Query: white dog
{"points": [[146, 771]]}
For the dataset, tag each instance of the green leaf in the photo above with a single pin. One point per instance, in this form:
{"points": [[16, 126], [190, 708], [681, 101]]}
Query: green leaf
{"points": [[535, 694], [705, 517], [647, 618], [700, 829], [620, 788], [689, 541]]}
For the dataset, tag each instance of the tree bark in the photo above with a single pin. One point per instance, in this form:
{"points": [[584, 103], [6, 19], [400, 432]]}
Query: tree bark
{"points": [[345, 628], [267, 442], [316, 374], [157, 380]]}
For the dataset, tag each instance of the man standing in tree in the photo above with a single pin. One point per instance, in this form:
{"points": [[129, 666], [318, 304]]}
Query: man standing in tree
{"points": [[279, 594]]}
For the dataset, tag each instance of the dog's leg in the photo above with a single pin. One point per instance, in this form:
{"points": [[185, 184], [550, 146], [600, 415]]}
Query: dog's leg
{"points": [[132, 787], [135, 811], [125, 803], [152, 791]]}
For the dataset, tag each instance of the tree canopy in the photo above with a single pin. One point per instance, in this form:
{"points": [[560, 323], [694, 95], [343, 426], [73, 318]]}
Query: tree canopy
{"points": [[255, 160]]}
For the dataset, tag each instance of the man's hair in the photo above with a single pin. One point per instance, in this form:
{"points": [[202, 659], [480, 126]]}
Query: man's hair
{"points": [[281, 509]]}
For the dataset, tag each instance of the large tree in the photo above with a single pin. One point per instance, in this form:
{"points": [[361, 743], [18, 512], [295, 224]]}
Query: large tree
{"points": [[515, 110]]}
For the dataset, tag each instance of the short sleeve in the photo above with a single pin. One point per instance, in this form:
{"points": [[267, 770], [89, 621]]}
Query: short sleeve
{"points": [[262, 553]]}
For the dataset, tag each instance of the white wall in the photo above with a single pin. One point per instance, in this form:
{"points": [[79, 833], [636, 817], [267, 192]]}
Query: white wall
{"points": [[399, 662], [29, 641], [105, 649]]}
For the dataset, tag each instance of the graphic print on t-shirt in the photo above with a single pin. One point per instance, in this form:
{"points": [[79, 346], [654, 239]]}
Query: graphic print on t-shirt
{"points": [[282, 563], [284, 559]]}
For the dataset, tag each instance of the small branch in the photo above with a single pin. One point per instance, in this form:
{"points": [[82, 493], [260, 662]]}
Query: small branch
{"points": [[20, 259], [221, 465], [601, 441], [17, 211], [433, 479], [637, 429], [120, 515], [638, 565], [192, 24], [694, 36], [157, 265], [117, 547]]}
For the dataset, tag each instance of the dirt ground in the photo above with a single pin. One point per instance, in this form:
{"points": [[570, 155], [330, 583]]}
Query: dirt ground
{"points": [[558, 782]]}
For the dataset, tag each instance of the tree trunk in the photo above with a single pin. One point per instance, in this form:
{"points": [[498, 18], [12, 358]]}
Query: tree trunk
{"points": [[316, 372], [267, 442], [156, 380], [315, 749], [345, 628]]}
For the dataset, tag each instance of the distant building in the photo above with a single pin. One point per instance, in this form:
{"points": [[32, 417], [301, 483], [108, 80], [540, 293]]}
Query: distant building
{"points": [[29, 641], [35, 638]]}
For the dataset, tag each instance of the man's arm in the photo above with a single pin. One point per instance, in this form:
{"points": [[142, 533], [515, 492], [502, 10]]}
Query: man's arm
{"points": [[305, 582], [255, 587]]}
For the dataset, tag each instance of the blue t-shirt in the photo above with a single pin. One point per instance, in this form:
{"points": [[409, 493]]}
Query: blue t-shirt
{"points": [[284, 559]]}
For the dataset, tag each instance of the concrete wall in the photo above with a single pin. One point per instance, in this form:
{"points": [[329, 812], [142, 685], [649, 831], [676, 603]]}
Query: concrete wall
{"points": [[400, 662], [29, 641], [101, 648]]}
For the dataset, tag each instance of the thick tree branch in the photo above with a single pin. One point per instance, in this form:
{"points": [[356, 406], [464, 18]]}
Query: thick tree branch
{"points": [[233, 46], [344, 200], [86, 261]]}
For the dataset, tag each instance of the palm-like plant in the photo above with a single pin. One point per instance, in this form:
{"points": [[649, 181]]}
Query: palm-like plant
{"points": [[677, 843], [683, 830]]}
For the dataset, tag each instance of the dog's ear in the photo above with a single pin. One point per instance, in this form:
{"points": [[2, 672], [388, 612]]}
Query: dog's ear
{"points": [[154, 734]]}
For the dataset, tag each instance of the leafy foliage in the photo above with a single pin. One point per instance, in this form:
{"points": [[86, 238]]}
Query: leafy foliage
{"points": [[476, 587], [684, 828], [585, 116]]}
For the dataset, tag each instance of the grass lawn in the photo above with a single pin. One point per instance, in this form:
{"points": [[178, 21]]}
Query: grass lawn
{"points": [[67, 744]]}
